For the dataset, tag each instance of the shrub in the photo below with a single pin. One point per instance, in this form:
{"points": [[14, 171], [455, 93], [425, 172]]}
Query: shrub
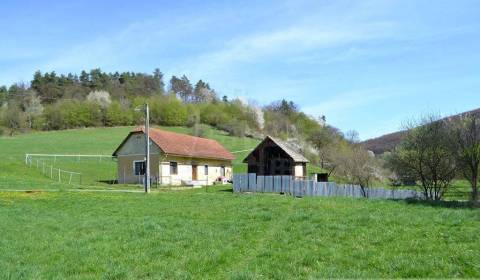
{"points": [[117, 115], [72, 114], [168, 111]]}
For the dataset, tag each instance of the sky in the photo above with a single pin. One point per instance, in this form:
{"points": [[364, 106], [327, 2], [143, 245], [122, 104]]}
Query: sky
{"points": [[367, 65]]}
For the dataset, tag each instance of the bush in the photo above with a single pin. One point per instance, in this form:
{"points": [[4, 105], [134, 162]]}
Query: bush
{"points": [[13, 118], [168, 111], [72, 114], [117, 115]]}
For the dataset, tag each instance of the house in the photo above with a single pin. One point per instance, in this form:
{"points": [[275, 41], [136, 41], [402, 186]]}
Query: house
{"points": [[175, 159], [275, 157]]}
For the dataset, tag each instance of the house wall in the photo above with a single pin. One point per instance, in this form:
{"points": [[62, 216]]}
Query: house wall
{"points": [[134, 149], [185, 170], [298, 170], [125, 168], [135, 145]]}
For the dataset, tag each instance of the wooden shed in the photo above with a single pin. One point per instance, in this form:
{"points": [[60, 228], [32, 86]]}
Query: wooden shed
{"points": [[275, 157]]}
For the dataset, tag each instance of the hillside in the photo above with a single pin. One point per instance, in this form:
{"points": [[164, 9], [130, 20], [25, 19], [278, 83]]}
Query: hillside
{"points": [[103, 141], [387, 142]]}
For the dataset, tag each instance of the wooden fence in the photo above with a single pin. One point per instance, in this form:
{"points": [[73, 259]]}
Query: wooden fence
{"points": [[289, 185]]}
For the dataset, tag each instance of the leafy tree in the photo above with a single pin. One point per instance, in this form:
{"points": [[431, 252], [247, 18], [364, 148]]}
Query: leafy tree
{"points": [[116, 115], [13, 118], [3, 95], [426, 153], [466, 148], [203, 93], [73, 114], [47, 86], [326, 141], [158, 78], [182, 88], [168, 111]]}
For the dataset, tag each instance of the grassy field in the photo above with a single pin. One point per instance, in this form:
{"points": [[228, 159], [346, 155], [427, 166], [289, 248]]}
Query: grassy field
{"points": [[221, 235], [15, 174], [211, 233]]}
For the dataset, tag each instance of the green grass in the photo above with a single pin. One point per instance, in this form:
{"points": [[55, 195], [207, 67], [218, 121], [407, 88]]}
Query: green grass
{"points": [[221, 235], [211, 233], [15, 174]]}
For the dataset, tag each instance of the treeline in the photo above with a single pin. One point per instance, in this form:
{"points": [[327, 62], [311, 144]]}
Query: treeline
{"points": [[52, 101], [95, 98]]}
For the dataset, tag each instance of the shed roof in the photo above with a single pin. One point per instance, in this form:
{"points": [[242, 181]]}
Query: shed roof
{"points": [[184, 145], [289, 150]]}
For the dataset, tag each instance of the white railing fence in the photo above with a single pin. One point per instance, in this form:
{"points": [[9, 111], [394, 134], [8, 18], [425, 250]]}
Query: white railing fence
{"points": [[52, 172]]}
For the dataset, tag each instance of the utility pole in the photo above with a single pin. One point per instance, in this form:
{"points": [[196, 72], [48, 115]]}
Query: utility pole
{"points": [[147, 147]]}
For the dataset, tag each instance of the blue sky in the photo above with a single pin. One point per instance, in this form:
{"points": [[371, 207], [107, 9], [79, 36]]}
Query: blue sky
{"points": [[366, 65]]}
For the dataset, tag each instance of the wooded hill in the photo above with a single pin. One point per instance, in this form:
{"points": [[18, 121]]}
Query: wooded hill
{"points": [[388, 142], [94, 98]]}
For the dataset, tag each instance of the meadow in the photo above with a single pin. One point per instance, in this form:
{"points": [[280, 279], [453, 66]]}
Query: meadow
{"points": [[221, 235], [54, 231], [96, 173]]}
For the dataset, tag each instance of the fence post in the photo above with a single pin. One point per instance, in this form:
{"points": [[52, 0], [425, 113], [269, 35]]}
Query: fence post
{"points": [[59, 175]]}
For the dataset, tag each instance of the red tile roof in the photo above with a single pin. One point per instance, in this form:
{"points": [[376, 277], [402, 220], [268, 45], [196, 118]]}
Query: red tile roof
{"points": [[185, 145]]}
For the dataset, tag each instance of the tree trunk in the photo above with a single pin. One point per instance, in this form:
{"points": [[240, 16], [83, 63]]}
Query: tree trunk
{"points": [[474, 189]]}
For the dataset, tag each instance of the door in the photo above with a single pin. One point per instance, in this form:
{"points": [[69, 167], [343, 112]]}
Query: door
{"points": [[194, 172]]}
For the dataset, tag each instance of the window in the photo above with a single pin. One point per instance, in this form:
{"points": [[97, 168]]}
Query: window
{"points": [[222, 171], [206, 169], [139, 167], [173, 168]]}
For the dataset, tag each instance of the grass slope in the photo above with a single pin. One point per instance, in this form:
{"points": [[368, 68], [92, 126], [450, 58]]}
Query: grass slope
{"points": [[15, 174], [221, 235]]}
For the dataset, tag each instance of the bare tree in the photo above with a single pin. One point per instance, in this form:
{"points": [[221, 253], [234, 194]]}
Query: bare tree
{"points": [[466, 133], [426, 153], [359, 167]]}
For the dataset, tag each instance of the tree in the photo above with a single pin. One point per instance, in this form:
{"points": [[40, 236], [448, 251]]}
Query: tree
{"points": [[358, 166], [101, 97], [426, 153], [13, 118], [326, 143], [466, 131], [32, 107], [168, 111], [158, 77], [3, 95], [203, 93], [182, 88], [117, 115]]}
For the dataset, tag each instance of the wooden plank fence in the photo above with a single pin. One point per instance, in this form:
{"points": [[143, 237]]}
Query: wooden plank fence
{"points": [[299, 187]]}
